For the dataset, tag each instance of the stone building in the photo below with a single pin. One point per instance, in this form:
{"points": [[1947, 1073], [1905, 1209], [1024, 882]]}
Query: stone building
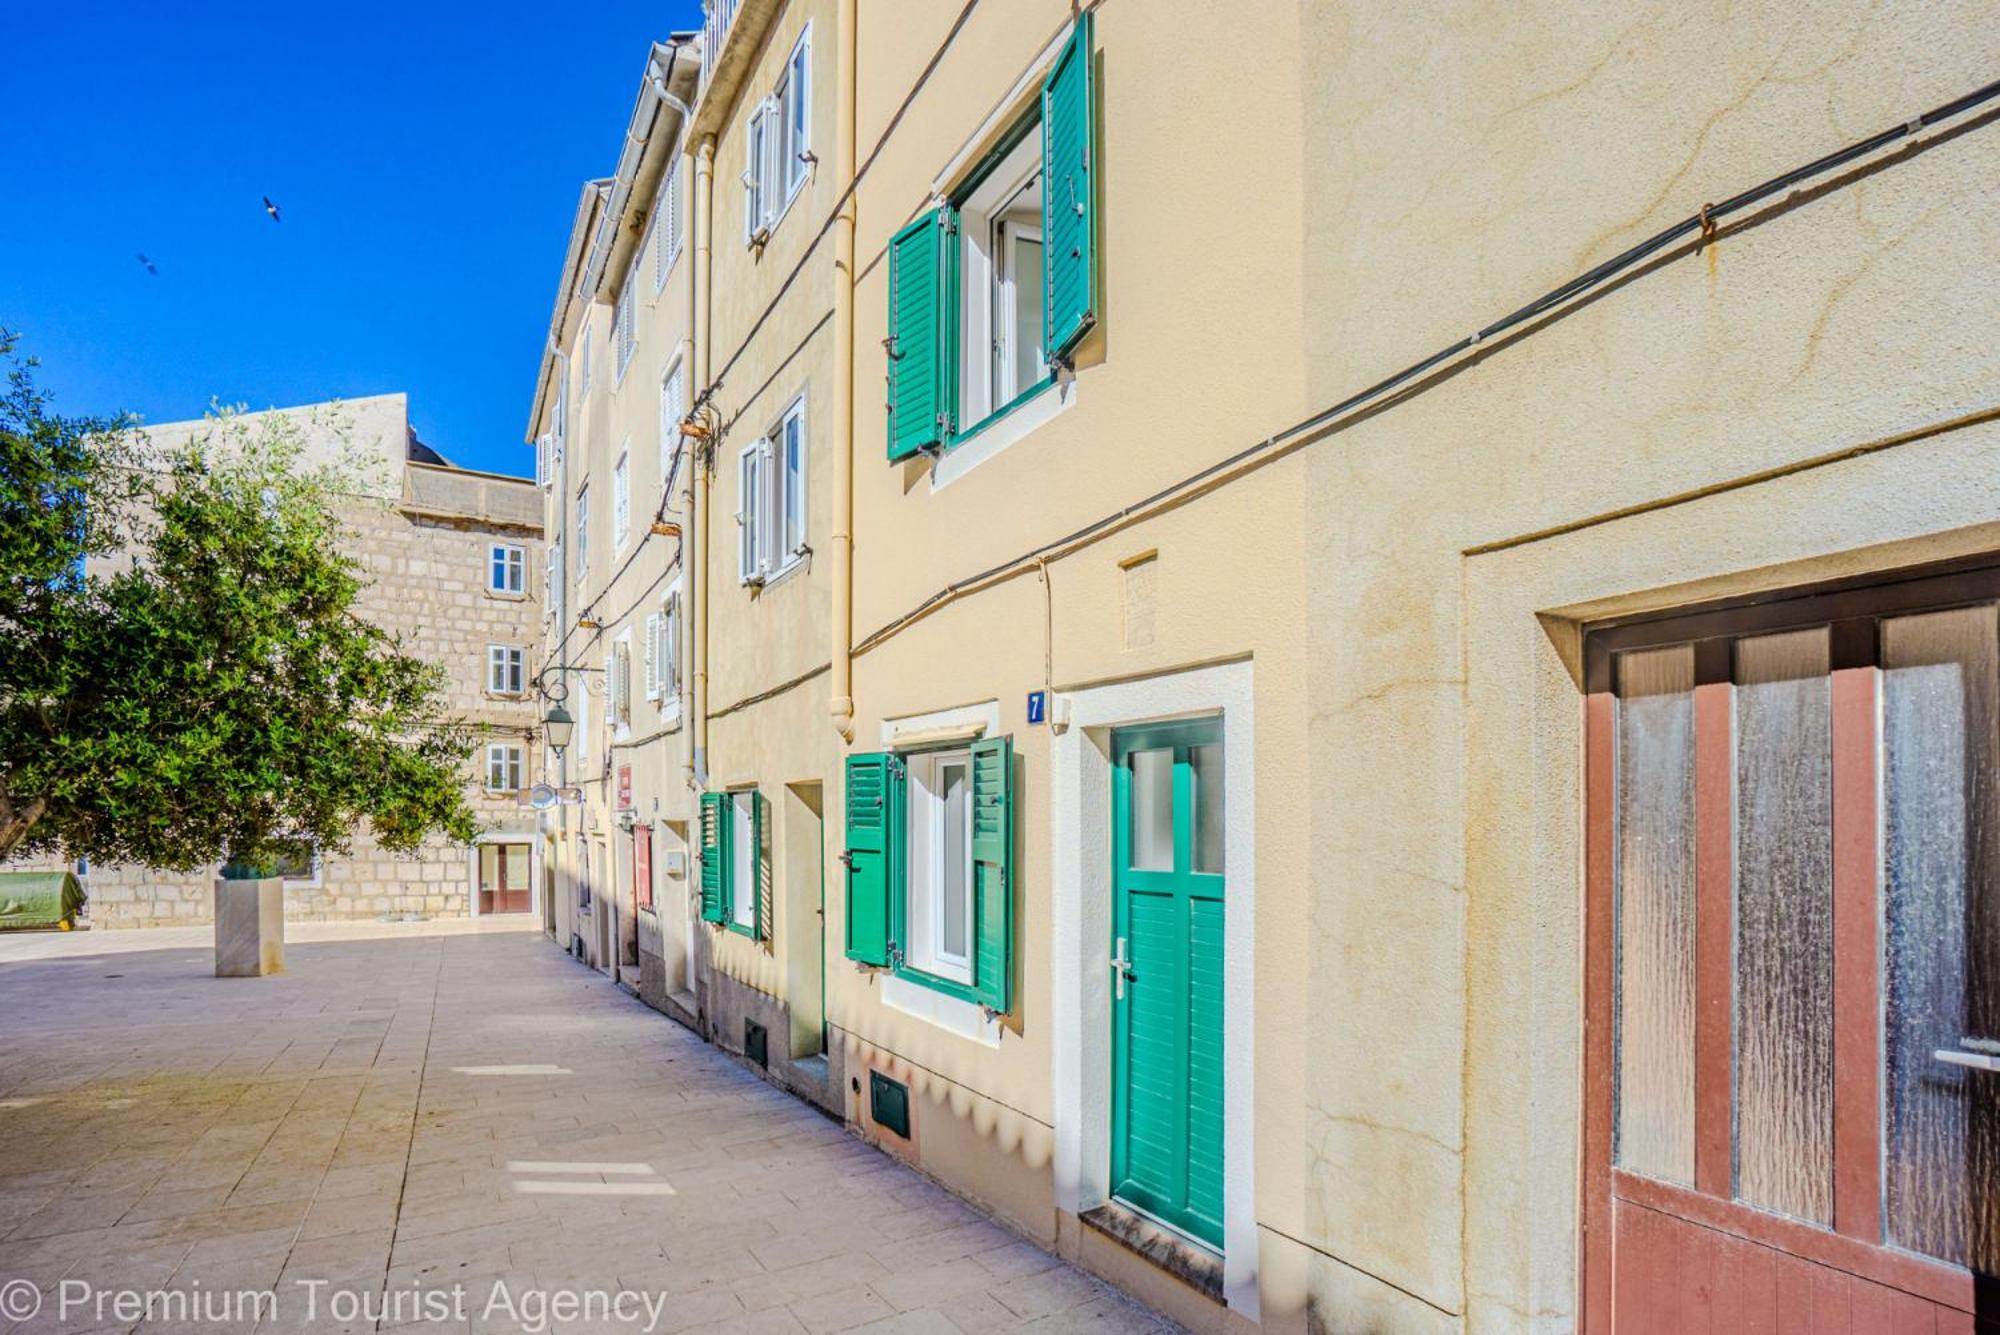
{"points": [[453, 561]]}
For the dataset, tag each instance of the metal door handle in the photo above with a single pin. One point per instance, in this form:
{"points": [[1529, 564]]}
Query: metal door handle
{"points": [[1121, 969], [1978, 1061]]}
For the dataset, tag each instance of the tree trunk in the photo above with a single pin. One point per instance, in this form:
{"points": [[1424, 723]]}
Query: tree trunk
{"points": [[15, 822]]}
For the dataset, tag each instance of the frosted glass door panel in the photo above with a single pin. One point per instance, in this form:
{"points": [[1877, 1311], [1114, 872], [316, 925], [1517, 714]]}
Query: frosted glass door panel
{"points": [[1152, 831], [1655, 821], [1939, 827], [1784, 924]]}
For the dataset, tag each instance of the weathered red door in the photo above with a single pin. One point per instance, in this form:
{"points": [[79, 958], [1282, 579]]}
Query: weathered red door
{"points": [[1792, 977]]}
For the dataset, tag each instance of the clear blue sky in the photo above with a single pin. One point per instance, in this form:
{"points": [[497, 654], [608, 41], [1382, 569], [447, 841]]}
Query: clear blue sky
{"points": [[426, 159]]}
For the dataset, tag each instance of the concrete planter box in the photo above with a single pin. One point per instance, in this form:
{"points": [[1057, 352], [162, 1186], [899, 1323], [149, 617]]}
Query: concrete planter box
{"points": [[249, 928]]}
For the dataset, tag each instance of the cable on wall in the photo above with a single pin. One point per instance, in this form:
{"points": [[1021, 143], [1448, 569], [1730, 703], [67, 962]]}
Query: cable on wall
{"points": [[1701, 223]]}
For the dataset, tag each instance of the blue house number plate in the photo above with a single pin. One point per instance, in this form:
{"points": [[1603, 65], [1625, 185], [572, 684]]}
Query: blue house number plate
{"points": [[1038, 706]]}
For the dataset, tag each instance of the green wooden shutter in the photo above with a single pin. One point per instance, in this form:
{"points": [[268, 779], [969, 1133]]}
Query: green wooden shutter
{"points": [[923, 290], [874, 790], [714, 856], [1069, 208], [760, 821], [993, 870]]}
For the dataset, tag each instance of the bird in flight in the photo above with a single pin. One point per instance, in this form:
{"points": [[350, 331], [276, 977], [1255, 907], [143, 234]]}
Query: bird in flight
{"points": [[271, 209], [149, 265]]}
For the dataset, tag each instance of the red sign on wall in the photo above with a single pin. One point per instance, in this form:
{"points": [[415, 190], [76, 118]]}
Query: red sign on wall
{"points": [[625, 788], [642, 864]]}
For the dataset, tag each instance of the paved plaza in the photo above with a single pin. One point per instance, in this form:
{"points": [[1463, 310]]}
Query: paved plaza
{"points": [[458, 1130]]}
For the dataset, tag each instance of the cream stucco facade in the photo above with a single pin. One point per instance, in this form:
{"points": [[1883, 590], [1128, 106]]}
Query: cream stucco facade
{"points": [[1381, 611]]}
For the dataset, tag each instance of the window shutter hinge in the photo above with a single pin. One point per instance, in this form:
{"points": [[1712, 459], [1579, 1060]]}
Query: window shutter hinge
{"points": [[847, 858], [895, 956]]}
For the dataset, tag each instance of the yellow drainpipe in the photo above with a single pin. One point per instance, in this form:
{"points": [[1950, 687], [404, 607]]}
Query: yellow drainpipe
{"points": [[698, 479], [841, 705]]}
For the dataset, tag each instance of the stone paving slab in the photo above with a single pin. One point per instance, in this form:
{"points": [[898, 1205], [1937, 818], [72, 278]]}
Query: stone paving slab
{"points": [[448, 1131]]}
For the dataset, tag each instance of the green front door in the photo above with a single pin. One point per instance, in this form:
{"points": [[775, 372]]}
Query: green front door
{"points": [[1167, 964]]}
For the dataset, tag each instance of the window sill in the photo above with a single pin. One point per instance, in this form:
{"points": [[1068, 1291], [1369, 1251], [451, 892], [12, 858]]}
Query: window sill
{"points": [[1185, 1260], [963, 1018], [740, 930], [1025, 414], [776, 577], [503, 596]]}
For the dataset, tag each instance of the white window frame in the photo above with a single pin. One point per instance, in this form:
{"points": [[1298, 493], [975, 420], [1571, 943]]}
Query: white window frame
{"points": [[745, 858], [505, 760], [315, 876], [986, 287], [666, 241], [582, 531], [618, 683], [761, 206], [587, 359], [773, 503], [752, 470], [553, 576], [621, 498], [505, 664], [927, 814], [580, 737], [511, 561], [625, 318], [671, 616], [673, 407], [794, 98]]}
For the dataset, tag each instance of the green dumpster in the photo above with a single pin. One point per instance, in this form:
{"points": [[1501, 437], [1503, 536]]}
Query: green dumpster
{"points": [[39, 899]]}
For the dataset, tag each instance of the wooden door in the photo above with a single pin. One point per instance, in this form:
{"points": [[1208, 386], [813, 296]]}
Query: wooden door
{"points": [[1167, 957], [1792, 980]]}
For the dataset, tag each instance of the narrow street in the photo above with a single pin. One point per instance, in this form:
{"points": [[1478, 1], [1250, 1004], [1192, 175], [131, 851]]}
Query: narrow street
{"points": [[448, 1132]]}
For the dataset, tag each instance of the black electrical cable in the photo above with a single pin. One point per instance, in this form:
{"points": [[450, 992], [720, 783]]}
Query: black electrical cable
{"points": [[833, 215], [708, 392], [1700, 221]]}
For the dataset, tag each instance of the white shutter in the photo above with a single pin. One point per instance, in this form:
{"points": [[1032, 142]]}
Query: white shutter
{"points": [[653, 656], [670, 676]]}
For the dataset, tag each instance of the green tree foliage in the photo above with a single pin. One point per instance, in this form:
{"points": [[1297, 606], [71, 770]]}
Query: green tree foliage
{"points": [[185, 677]]}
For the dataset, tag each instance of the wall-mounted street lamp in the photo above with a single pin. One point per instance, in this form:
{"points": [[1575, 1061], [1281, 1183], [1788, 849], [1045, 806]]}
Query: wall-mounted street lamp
{"points": [[558, 726]]}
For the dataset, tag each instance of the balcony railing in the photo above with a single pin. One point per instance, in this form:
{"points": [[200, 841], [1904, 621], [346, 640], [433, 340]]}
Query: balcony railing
{"points": [[721, 14]]}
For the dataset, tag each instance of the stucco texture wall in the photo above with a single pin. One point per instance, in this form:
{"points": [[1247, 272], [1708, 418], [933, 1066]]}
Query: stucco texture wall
{"points": [[1198, 350], [1459, 161]]}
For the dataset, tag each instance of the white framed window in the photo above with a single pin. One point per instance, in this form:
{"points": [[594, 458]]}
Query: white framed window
{"points": [[673, 407], [771, 493], [505, 768], [790, 483], [1000, 278], [506, 568], [580, 738], [625, 320], [667, 651], [744, 858], [506, 672], [751, 516], [666, 247], [794, 99], [621, 500], [663, 653], [938, 798], [559, 425], [588, 347], [302, 869], [582, 532], [618, 683], [553, 576], [762, 191]]}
